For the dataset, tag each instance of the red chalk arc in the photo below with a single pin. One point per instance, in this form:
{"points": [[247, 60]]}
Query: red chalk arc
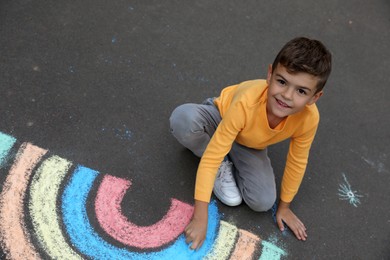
{"points": [[108, 212]]}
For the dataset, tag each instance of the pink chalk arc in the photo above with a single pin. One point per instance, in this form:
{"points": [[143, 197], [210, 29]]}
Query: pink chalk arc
{"points": [[108, 212], [14, 236]]}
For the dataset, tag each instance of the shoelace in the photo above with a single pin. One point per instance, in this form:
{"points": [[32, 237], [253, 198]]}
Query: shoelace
{"points": [[225, 173]]}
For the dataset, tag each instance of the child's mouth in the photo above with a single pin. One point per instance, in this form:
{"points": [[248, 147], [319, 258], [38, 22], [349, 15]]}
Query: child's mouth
{"points": [[282, 104]]}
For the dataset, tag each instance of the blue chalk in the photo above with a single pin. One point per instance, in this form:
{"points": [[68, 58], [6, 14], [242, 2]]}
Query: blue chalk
{"points": [[6, 143], [89, 243]]}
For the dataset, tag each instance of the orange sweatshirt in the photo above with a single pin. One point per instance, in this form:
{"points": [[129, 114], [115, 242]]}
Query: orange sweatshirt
{"points": [[244, 120]]}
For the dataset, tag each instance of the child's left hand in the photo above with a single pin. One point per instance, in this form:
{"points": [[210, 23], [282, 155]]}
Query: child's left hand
{"points": [[284, 214]]}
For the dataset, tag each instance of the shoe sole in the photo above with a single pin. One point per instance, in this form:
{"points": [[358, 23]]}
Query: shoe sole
{"points": [[231, 204]]}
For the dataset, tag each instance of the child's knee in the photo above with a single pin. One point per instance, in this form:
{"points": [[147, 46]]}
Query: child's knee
{"points": [[261, 203], [178, 119], [181, 122]]}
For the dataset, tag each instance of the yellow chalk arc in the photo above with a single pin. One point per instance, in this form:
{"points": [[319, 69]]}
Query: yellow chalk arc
{"points": [[224, 243], [43, 197]]}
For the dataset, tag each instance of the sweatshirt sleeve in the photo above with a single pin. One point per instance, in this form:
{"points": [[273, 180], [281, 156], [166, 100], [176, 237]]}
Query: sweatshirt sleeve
{"points": [[297, 159], [219, 146]]}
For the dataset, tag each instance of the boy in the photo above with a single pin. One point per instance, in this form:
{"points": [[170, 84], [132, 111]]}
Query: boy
{"points": [[236, 128]]}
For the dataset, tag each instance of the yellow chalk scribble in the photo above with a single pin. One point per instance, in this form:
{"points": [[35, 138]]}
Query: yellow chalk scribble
{"points": [[224, 243], [43, 197]]}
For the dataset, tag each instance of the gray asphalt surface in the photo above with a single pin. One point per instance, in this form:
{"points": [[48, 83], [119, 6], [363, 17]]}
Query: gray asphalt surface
{"points": [[95, 82]]}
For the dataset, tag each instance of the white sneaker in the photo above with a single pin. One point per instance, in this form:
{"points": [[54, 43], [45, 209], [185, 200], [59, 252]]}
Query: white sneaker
{"points": [[225, 187]]}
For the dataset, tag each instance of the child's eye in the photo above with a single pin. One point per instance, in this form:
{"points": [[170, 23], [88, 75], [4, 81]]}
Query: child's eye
{"points": [[301, 91], [281, 82]]}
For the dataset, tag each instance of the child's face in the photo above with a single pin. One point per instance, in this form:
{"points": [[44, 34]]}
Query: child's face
{"points": [[289, 93]]}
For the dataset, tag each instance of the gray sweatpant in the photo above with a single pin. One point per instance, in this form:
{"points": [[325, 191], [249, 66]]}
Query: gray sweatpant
{"points": [[194, 124]]}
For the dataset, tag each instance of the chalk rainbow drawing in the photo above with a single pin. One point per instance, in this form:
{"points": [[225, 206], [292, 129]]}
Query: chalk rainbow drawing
{"points": [[346, 193], [59, 226]]}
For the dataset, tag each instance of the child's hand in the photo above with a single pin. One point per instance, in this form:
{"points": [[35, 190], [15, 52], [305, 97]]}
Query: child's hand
{"points": [[285, 214], [195, 232]]}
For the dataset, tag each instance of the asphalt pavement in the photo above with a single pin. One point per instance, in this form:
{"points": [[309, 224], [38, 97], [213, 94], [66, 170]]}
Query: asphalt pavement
{"points": [[94, 82]]}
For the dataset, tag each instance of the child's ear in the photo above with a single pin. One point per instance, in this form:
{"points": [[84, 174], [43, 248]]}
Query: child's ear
{"points": [[269, 74], [315, 98]]}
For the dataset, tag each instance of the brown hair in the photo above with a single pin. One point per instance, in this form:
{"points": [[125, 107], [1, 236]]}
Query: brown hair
{"points": [[306, 55]]}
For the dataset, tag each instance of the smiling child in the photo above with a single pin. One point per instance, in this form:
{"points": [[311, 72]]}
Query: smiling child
{"points": [[231, 134]]}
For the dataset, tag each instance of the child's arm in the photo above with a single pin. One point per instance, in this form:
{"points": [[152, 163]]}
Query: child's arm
{"points": [[285, 214], [293, 174], [195, 232]]}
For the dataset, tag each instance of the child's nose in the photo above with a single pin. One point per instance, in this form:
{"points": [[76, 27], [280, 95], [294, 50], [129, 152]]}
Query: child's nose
{"points": [[288, 93]]}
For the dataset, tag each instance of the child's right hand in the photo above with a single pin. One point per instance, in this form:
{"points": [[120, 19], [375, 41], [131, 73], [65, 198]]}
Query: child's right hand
{"points": [[195, 232]]}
